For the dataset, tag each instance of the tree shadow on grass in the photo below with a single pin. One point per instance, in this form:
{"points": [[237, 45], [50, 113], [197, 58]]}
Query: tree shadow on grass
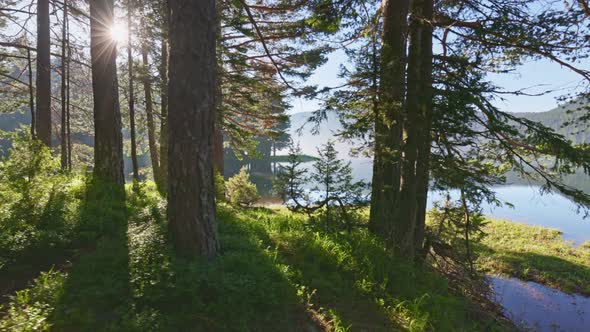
{"points": [[128, 279], [333, 292], [243, 289], [357, 278], [553, 271], [96, 292]]}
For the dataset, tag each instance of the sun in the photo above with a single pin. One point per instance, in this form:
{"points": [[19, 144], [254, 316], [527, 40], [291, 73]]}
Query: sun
{"points": [[119, 33]]}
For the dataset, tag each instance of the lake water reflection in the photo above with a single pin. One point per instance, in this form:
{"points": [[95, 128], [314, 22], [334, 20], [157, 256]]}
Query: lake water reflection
{"points": [[538, 308], [530, 207]]}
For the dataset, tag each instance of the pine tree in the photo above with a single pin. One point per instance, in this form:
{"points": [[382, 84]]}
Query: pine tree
{"points": [[191, 117], [108, 142], [43, 86]]}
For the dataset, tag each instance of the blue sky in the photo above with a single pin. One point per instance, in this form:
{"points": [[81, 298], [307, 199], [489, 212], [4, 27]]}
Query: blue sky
{"points": [[537, 75]]}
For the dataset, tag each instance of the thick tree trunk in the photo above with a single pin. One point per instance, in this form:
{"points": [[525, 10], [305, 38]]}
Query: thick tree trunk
{"points": [[388, 120], [162, 184], [64, 66], [191, 121], [108, 142], [416, 130], [424, 145], [43, 121], [131, 96], [149, 111]]}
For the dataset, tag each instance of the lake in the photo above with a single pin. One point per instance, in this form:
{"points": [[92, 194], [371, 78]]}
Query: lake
{"points": [[530, 207], [534, 307]]}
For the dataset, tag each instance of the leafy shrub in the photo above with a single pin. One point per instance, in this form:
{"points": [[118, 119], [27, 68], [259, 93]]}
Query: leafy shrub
{"points": [[30, 308], [38, 201], [240, 190]]}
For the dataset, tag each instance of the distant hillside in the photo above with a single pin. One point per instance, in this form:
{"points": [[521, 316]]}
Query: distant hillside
{"points": [[309, 142], [563, 120]]}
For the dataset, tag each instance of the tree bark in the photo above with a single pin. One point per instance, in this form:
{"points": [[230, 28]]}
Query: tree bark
{"points": [[68, 92], [43, 121], [218, 155], [131, 96], [162, 184], [149, 110], [418, 105], [426, 110], [108, 141], [63, 129], [388, 120], [191, 120], [31, 94]]}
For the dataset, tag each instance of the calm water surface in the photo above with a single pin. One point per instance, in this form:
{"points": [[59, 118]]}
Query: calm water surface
{"points": [[530, 207], [534, 307]]}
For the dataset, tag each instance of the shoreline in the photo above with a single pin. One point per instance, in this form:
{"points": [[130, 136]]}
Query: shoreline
{"points": [[534, 253]]}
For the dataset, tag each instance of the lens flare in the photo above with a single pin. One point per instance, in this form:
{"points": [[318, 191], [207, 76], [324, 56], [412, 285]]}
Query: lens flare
{"points": [[119, 33]]}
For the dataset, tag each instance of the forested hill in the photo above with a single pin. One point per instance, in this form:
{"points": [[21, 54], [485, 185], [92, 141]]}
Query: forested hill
{"points": [[563, 120]]}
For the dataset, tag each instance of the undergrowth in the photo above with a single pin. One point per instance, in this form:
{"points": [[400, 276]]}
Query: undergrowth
{"points": [[276, 272], [115, 271]]}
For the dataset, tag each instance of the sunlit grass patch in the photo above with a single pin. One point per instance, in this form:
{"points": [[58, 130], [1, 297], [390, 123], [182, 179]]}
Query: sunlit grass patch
{"points": [[535, 253]]}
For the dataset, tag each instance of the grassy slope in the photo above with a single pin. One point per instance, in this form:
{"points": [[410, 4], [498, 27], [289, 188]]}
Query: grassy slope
{"points": [[536, 254], [275, 274]]}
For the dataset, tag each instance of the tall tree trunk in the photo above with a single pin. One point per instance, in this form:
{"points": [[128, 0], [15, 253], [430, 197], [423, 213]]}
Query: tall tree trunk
{"points": [[191, 120], [31, 93], [43, 121], [162, 185], [388, 120], [426, 110], [68, 92], [149, 110], [218, 159], [108, 141], [415, 130], [131, 96], [64, 60]]}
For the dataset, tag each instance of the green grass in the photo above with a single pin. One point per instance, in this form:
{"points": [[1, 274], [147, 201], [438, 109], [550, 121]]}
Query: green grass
{"points": [[275, 273], [536, 254]]}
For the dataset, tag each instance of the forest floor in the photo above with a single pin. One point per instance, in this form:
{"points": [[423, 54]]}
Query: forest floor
{"points": [[276, 272], [535, 253]]}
